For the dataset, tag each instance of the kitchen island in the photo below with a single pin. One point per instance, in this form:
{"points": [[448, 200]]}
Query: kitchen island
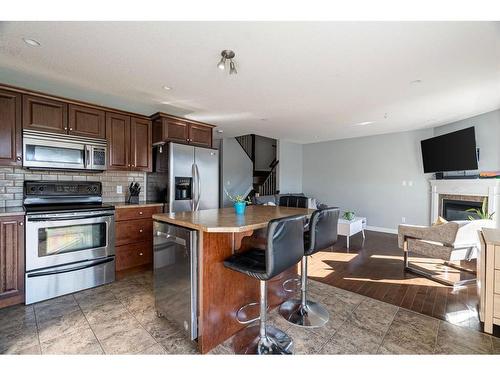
{"points": [[221, 291]]}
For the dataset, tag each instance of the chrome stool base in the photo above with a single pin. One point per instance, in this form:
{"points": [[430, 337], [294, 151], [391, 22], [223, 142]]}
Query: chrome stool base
{"points": [[310, 314], [248, 341]]}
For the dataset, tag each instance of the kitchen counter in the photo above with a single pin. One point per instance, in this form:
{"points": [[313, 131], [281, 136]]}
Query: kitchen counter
{"points": [[12, 211], [221, 291], [225, 220], [140, 204]]}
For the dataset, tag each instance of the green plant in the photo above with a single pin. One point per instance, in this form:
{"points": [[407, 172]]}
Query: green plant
{"points": [[349, 215], [237, 198], [481, 213]]}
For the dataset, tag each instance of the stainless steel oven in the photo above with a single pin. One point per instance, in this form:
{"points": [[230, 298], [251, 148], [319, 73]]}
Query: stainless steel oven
{"points": [[47, 150], [63, 238], [70, 238]]}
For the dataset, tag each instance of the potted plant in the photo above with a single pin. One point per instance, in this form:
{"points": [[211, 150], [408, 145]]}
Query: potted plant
{"points": [[239, 202], [349, 215], [481, 214]]}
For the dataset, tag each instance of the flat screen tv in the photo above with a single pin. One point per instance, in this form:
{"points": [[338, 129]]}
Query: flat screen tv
{"points": [[450, 152]]}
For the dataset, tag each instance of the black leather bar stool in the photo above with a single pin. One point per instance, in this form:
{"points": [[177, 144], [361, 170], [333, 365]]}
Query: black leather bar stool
{"points": [[321, 235], [285, 248]]}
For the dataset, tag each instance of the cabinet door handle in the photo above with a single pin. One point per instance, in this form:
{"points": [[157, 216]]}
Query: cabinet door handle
{"points": [[70, 128], [140, 212], [21, 223], [19, 158], [140, 254]]}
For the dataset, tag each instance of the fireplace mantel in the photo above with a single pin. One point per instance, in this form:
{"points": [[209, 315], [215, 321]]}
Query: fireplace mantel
{"points": [[489, 188]]}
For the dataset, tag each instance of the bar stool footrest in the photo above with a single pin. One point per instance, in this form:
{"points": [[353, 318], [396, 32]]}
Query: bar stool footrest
{"points": [[297, 283]]}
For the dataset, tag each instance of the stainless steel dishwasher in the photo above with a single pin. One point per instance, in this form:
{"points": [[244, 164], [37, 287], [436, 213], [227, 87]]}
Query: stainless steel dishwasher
{"points": [[175, 264]]}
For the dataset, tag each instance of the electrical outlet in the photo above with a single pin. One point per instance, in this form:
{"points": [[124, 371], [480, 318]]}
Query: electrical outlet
{"points": [[119, 189], [403, 183], [410, 183], [403, 219]]}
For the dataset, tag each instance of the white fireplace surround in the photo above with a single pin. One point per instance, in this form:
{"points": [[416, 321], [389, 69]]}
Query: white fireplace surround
{"points": [[489, 188]]}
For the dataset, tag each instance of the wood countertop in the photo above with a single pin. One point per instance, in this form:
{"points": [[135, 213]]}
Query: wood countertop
{"points": [[225, 220]]}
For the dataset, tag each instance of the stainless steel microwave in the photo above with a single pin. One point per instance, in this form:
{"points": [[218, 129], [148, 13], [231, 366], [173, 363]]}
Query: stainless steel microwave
{"points": [[43, 150]]}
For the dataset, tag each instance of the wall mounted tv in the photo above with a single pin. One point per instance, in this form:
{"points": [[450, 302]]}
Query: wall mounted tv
{"points": [[450, 152]]}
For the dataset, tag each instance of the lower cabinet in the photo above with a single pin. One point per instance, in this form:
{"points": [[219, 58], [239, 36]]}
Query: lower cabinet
{"points": [[11, 260], [134, 236]]}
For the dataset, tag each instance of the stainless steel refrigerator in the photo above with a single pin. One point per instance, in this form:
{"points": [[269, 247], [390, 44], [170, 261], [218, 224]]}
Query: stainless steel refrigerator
{"points": [[193, 178]]}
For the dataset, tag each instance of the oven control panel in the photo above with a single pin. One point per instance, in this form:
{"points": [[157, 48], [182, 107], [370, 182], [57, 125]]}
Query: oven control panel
{"points": [[61, 188]]}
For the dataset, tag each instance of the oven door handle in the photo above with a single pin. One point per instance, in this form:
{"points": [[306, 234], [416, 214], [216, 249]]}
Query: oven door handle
{"points": [[67, 218], [70, 269]]}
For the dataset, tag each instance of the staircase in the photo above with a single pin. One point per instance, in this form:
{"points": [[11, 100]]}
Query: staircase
{"points": [[264, 181]]}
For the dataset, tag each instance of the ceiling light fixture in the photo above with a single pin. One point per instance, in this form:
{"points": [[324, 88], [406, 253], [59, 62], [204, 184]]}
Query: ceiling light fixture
{"points": [[227, 54], [416, 82], [364, 123], [165, 87], [220, 131], [31, 42]]}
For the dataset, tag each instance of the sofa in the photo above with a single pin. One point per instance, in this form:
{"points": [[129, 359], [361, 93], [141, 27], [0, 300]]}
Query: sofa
{"points": [[288, 200]]}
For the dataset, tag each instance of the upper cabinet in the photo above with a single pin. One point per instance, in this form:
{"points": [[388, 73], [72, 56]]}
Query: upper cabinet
{"points": [[10, 128], [87, 122], [118, 135], [200, 135], [140, 144], [45, 114], [129, 143], [168, 128], [58, 117]]}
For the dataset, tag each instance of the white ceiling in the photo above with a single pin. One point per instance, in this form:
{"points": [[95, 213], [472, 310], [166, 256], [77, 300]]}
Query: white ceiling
{"points": [[299, 81]]}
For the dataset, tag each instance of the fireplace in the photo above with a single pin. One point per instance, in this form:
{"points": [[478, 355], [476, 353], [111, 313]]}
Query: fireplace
{"points": [[451, 198], [457, 209]]}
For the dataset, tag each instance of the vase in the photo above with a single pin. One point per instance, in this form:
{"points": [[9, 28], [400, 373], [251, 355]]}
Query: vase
{"points": [[239, 207]]}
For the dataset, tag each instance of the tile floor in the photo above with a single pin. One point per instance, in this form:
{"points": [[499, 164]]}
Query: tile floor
{"points": [[119, 319]]}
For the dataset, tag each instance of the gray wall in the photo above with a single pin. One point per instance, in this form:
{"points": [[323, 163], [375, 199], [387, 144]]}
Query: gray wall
{"points": [[289, 167], [265, 152], [236, 170], [366, 175], [487, 128]]}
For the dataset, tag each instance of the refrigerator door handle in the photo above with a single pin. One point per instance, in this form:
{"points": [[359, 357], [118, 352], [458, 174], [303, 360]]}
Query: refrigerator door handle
{"points": [[198, 180], [193, 183]]}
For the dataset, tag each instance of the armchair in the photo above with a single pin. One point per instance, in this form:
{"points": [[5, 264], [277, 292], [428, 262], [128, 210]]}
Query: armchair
{"points": [[452, 241]]}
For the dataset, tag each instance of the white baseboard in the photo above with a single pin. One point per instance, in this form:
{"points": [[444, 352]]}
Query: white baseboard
{"points": [[381, 229]]}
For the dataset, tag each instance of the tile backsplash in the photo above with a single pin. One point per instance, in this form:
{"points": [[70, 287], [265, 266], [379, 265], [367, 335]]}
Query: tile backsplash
{"points": [[12, 178]]}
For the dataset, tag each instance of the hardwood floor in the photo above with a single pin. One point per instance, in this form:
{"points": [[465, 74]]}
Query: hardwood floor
{"points": [[374, 268]]}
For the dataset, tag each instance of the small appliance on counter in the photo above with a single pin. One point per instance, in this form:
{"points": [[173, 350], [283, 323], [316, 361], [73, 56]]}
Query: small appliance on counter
{"points": [[70, 238]]}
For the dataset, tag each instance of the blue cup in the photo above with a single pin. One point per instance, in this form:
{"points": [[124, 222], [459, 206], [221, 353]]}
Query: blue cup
{"points": [[239, 207]]}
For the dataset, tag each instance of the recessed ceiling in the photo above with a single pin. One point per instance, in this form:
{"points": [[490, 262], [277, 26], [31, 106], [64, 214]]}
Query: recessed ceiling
{"points": [[310, 80]]}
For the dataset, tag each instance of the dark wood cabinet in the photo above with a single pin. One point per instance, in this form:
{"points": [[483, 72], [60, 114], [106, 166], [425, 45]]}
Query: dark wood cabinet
{"points": [[129, 143], [10, 128], [134, 236], [168, 128], [118, 136], [140, 145], [86, 121], [200, 135], [45, 114], [11, 260]]}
